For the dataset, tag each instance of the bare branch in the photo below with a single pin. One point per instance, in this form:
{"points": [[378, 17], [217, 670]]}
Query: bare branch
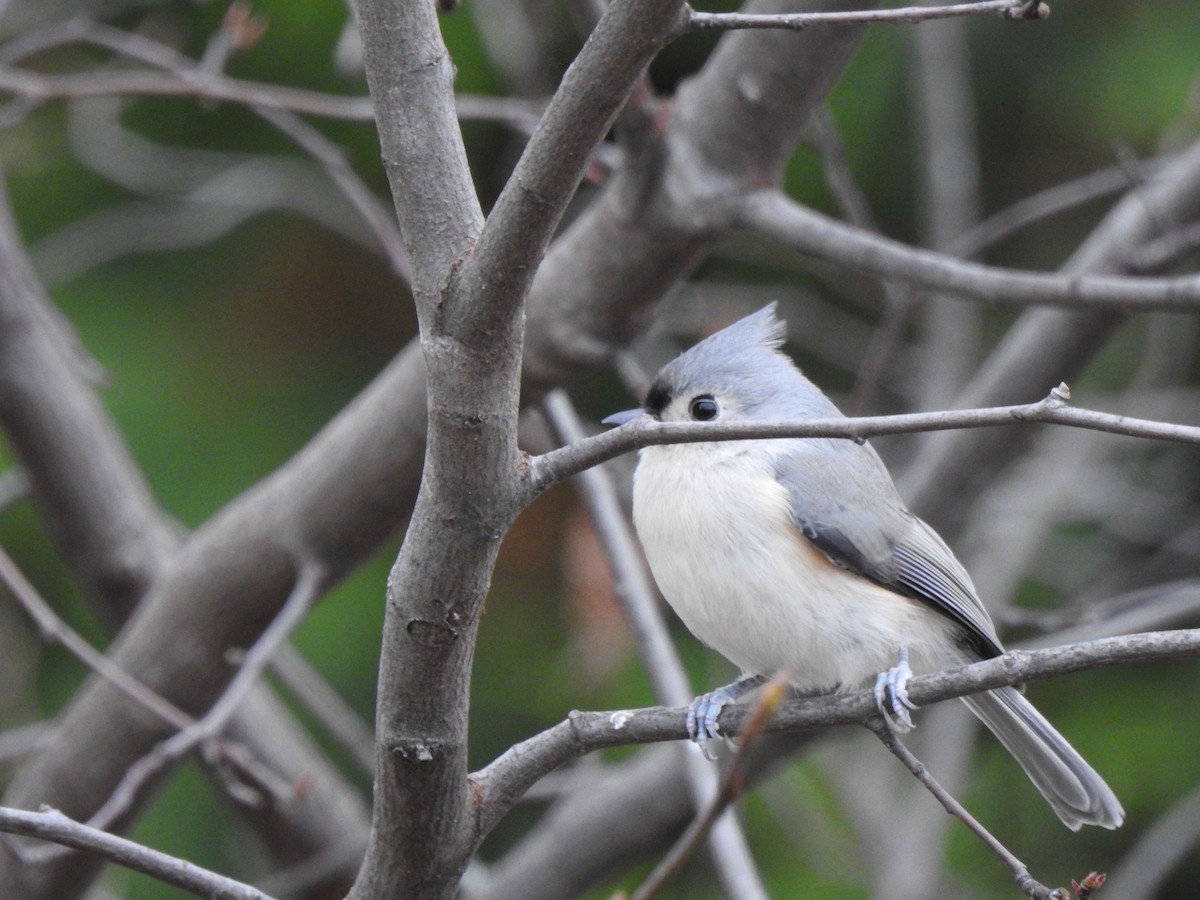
{"points": [[1053, 201], [116, 542], [1025, 881], [1047, 345], [634, 590], [470, 300], [51, 825], [552, 467], [114, 538], [308, 585], [730, 128], [411, 77], [52, 628], [1013, 10], [583, 109], [204, 76], [18, 742], [773, 215], [40, 88], [584, 732]]}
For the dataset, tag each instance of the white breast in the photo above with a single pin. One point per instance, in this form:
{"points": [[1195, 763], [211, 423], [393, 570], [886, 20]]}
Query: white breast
{"points": [[719, 537]]}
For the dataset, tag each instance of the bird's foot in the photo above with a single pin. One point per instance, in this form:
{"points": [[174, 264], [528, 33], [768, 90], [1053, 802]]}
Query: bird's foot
{"points": [[891, 695], [703, 712]]}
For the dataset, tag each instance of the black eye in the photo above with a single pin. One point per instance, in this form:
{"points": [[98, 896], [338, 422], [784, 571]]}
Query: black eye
{"points": [[703, 408]]}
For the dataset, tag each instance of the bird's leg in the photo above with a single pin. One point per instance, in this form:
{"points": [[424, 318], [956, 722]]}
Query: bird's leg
{"points": [[891, 695], [702, 713]]}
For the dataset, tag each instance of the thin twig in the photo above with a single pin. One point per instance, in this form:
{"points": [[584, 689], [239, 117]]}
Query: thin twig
{"points": [[306, 589], [202, 76], [731, 787], [52, 628], [35, 88], [38, 87], [1013, 10], [1025, 881], [1053, 201], [971, 243], [51, 825], [634, 592], [182, 75], [550, 468]]}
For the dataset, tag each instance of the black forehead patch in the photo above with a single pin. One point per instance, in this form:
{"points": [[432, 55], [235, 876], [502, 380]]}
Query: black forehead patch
{"points": [[657, 399]]}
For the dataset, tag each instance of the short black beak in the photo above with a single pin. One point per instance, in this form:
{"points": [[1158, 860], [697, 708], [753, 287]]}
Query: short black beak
{"points": [[622, 417]]}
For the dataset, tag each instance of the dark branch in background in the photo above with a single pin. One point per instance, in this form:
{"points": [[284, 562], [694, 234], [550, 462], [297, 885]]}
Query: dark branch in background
{"points": [[731, 127], [35, 88], [1054, 201], [175, 65], [342, 723], [51, 825]]}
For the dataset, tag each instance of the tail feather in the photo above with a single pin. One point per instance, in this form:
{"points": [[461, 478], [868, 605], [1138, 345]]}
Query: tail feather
{"points": [[1072, 788]]}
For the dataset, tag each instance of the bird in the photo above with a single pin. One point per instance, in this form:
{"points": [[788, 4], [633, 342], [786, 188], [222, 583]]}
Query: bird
{"points": [[799, 555]]}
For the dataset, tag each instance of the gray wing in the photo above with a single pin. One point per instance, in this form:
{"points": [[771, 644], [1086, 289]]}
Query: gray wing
{"points": [[845, 503]]}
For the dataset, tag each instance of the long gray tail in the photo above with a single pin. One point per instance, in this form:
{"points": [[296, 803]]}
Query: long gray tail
{"points": [[1072, 788]]}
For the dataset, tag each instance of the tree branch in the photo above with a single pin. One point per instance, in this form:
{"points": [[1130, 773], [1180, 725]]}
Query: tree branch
{"points": [[512, 773], [52, 628], [581, 112], [51, 825], [552, 467], [411, 78], [1013, 10], [1025, 881], [773, 215], [309, 581], [116, 543], [726, 131], [470, 302], [1046, 346]]}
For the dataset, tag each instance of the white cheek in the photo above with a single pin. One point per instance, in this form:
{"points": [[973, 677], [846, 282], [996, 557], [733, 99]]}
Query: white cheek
{"points": [[719, 538]]}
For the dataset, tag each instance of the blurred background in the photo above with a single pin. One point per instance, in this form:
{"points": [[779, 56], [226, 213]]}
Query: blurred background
{"points": [[236, 303]]}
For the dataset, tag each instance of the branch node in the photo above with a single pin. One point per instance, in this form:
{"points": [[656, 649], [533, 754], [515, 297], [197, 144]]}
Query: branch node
{"points": [[1029, 11]]}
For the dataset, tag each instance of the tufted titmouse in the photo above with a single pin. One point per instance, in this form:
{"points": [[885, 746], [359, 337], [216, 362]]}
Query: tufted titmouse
{"points": [[798, 554]]}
